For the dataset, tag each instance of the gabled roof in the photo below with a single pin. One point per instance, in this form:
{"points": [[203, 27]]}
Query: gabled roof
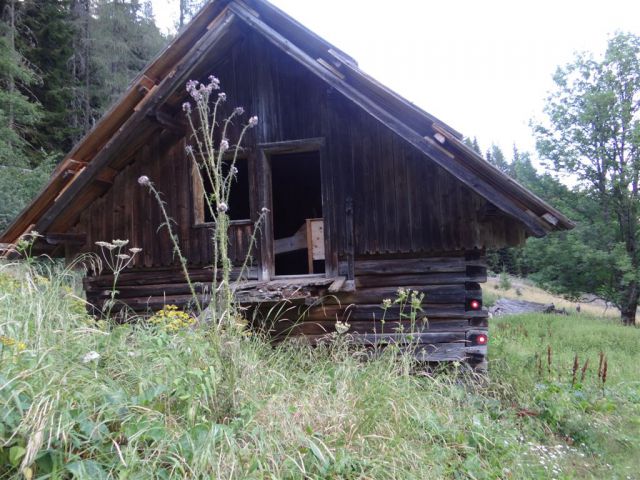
{"points": [[90, 160]]}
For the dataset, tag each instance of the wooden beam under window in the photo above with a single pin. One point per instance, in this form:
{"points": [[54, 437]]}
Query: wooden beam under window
{"points": [[293, 146]]}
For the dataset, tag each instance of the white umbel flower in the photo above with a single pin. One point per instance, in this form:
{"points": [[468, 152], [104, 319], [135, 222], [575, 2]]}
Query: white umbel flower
{"points": [[90, 356]]}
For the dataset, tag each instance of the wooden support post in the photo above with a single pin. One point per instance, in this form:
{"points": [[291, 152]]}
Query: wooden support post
{"points": [[309, 246], [350, 247], [267, 265]]}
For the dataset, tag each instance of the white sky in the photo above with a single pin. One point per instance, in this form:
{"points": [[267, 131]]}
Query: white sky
{"points": [[482, 66]]}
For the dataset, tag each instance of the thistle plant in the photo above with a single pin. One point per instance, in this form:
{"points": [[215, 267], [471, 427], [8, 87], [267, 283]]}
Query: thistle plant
{"points": [[210, 158], [409, 303], [116, 258], [215, 157]]}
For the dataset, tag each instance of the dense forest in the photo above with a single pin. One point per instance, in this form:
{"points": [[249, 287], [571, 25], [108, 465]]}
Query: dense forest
{"points": [[64, 62]]}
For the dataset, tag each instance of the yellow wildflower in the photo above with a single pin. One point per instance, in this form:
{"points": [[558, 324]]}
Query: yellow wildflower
{"points": [[12, 343], [171, 319]]}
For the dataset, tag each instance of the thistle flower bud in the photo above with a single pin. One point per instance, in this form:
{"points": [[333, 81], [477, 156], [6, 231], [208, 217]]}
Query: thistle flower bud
{"points": [[144, 181], [214, 82], [223, 207], [188, 150], [224, 145], [253, 121], [192, 85], [238, 111], [222, 96], [186, 107]]}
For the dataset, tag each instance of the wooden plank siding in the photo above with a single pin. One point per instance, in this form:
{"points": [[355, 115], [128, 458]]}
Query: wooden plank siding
{"points": [[402, 202], [447, 282]]}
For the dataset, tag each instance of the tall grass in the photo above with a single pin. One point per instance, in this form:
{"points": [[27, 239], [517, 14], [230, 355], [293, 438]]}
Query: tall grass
{"points": [[92, 400]]}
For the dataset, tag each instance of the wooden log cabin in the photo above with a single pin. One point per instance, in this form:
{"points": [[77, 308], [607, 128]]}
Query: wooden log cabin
{"points": [[366, 192]]}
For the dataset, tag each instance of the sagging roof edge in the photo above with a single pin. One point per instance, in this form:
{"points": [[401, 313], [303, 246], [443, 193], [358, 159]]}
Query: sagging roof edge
{"points": [[75, 162]]}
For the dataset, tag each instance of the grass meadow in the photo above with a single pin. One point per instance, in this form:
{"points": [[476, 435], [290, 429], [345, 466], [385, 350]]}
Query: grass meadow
{"points": [[85, 399]]}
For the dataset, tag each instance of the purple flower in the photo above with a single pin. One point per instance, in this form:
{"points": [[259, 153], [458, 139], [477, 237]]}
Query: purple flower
{"points": [[192, 85], [214, 82], [186, 107], [223, 207], [144, 181], [188, 150], [238, 111], [224, 145], [253, 121], [222, 96]]}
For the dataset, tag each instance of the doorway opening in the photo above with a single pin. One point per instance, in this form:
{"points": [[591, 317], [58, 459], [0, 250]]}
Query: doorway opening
{"points": [[298, 224]]}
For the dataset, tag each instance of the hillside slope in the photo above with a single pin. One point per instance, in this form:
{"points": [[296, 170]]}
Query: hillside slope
{"points": [[523, 289]]}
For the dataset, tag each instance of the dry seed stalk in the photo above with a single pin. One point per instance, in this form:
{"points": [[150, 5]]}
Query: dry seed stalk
{"points": [[584, 370], [600, 365], [576, 365]]}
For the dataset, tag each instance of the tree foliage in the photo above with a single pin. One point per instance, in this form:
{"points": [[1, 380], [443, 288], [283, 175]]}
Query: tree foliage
{"points": [[62, 64], [124, 40], [19, 109], [593, 132]]}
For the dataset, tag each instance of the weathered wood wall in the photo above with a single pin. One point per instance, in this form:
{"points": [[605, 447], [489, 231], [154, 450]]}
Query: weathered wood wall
{"points": [[448, 283], [402, 202], [395, 219], [129, 211], [441, 329]]}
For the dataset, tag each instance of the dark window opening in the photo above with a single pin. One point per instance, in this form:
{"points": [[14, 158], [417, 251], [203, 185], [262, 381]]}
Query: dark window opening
{"points": [[239, 208], [298, 227]]}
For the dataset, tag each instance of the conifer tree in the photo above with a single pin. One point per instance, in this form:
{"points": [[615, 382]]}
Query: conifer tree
{"points": [[124, 40], [19, 110], [496, 157], [47, 43]]}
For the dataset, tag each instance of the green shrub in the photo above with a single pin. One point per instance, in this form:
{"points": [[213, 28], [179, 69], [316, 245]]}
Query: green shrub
{"points": [[504, 282]]}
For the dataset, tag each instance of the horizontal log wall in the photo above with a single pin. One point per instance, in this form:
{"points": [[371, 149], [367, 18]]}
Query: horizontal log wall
{"points": [[148, 290], [441, 325], [447, 284]]}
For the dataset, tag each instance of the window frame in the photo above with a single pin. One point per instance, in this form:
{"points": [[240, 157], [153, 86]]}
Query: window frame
{"points": [[199, 192]]}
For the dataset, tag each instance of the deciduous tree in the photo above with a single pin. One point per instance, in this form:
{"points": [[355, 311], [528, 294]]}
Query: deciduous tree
{"points": [[593, 132]]}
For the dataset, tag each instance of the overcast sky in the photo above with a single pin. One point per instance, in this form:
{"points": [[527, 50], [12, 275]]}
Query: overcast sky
{"points": [[483, 67]]}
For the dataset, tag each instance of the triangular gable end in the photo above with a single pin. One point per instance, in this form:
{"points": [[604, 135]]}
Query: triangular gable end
{"points": [[168, 73]]}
